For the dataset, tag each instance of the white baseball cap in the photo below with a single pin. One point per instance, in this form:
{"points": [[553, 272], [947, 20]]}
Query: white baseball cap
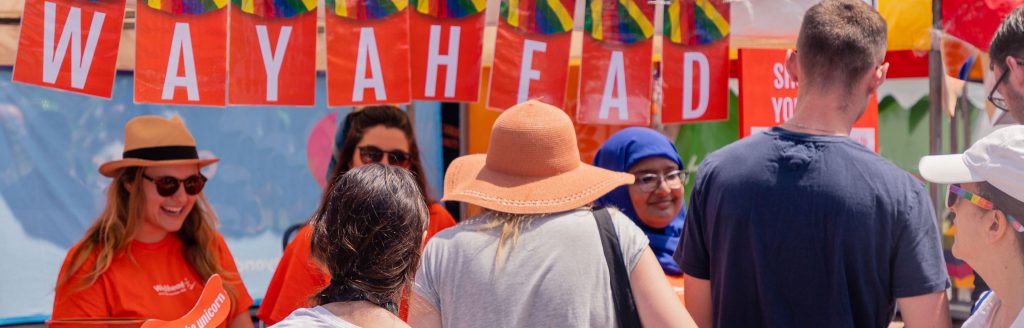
{"points": [[997, 159]]}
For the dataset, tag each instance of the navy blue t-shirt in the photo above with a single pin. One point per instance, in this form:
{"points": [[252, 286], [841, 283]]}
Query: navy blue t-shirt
{"points": [[799, 230]]}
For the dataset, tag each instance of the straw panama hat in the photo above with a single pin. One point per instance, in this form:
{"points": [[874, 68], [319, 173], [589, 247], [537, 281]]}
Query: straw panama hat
{"points": [[156, 141], [532, 166]]}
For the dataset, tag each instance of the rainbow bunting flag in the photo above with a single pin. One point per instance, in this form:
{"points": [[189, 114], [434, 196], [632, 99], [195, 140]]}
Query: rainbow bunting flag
{"points": [[449, 8], [365, 9], [538, 16], [275, 8], [620, 21], [186, 7], [705, 22]]}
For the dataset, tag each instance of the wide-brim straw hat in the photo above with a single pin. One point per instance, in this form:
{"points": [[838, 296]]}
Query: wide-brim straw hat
{"points": [[532, 166], [156, 141]]}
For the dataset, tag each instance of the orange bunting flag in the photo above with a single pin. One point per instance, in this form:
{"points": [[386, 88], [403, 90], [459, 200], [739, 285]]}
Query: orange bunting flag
{"points": [[367, 52], [533, 61], [70, 45], [616, 70], [181, 58], [447, 38], [272, 57], [695, 62]]}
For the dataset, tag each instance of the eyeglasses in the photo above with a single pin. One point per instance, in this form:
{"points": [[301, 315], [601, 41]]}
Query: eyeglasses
{"points": [[955, 192], [372, 154], [648, 182], [167, 186], [998, 101]]}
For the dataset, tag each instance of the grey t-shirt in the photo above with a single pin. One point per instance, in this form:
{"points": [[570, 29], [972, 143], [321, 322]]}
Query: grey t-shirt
{"points": [[316, 317], [554, 275]]}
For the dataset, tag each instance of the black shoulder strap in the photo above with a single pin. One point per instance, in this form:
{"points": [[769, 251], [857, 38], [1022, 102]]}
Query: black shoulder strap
{"points": [[622, 293]]}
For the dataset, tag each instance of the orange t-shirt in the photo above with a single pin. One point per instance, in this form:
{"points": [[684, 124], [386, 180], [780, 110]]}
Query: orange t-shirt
{"points": [[677, 286], [159, 284], [297, 277]]}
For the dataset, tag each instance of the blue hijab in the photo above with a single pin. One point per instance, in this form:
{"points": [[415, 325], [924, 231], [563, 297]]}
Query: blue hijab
{"points": [[619, 153]]}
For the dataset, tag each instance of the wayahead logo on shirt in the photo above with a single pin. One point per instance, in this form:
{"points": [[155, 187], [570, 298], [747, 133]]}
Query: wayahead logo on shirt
{"points": [[175, 289]]}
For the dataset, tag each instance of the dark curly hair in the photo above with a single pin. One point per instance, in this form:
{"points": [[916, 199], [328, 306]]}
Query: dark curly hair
{"points": [[367, 235], [362, 119]]}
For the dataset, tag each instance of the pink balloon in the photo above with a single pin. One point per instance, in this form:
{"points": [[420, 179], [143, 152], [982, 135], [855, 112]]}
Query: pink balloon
{"points": [[319, 145]]}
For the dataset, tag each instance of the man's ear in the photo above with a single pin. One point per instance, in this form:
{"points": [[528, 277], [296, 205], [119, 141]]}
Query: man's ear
{"points": [[1014, 71], [793, 65], [878, 77]]}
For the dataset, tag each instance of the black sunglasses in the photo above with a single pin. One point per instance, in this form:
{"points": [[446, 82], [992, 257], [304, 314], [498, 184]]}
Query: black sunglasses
{"points": [[372, 154], [167, 186], [1000, 102]]}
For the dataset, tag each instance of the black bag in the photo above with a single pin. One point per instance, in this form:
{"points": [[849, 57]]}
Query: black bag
{"points": [[622, 293]]}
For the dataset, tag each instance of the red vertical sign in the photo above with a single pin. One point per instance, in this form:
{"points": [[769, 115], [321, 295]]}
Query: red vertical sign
{"points": [[768, 97], [367, 52], [695, 64], [180, 58], [531, 57], [615, 73], [446, 45], [70, 45], [272, 59]]}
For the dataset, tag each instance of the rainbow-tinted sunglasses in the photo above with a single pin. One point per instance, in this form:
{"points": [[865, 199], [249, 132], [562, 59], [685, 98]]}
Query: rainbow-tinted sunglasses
{"points": [[955, 191]]}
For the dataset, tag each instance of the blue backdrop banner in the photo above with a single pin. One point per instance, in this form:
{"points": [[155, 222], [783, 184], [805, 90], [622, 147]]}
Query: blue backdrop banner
{"points": [[273, 162]]}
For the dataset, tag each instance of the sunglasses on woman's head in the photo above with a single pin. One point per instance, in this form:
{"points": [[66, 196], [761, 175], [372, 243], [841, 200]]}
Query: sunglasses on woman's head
{"points": [[955, 192], [167, 186], [372, 154]]}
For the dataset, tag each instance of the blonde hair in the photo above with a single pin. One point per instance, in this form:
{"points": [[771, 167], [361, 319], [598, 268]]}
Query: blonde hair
{"points": [[511, 226], [113, 231]]}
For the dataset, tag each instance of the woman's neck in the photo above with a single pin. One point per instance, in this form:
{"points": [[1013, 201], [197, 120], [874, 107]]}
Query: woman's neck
{"points": [[1004, 278], [364, 314]]}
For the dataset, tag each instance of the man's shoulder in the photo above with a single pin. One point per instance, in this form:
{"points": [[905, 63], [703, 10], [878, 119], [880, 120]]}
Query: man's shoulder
{"points": [[740, 151]]}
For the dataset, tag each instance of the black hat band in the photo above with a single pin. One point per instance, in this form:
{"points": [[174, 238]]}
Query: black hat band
{"points": [[165, 153]]}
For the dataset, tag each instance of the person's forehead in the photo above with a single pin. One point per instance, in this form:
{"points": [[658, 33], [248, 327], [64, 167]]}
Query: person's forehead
{"points": [[386, 138], [654, 164], [179, 171]]}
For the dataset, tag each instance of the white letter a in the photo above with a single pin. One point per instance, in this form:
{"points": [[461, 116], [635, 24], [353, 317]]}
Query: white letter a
{"points": [[181, 46], [368, 51]]}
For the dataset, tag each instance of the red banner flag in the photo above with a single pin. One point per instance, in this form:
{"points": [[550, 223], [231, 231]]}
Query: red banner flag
{"points": [[616, 71], [367, 52], [695, 62], [70, 45], [271, 59], [448, 34], [768, 97], [533, 61], [180, 58]]}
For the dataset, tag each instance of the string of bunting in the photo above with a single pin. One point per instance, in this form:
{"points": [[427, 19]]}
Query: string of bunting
{"points": [[276, 8], [707, 25], [627, 24], [537, 16], [449, 8], [365, 9], [186, 7]]}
